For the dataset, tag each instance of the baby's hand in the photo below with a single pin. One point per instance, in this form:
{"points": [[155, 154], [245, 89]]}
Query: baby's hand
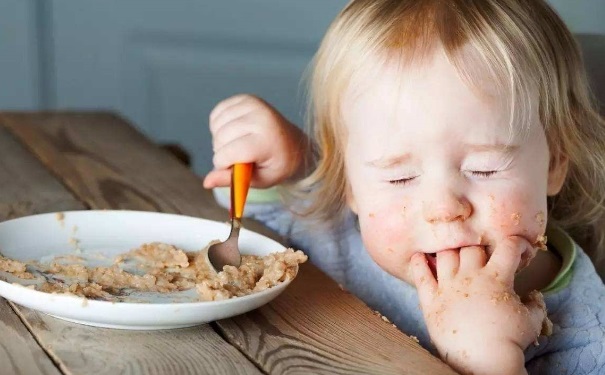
{"points": [[246, 129], [473, 315]]}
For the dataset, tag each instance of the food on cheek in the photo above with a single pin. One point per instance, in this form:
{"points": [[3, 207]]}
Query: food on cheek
{"points": [[516, 218], [540, 242], [526, 257]]}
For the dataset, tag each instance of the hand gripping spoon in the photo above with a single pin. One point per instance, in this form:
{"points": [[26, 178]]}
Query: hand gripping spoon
{"points": [[227, 252]]}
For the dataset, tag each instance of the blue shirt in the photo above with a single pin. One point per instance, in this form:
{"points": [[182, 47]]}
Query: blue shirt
{"points": [[577, 309]]}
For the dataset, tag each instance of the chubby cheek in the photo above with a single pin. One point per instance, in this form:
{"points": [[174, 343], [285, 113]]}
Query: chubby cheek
{"points": [[517, 214], [386, 240]]}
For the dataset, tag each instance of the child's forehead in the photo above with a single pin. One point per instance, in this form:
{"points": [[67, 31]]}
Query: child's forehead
{"points": [[385, 81], [403, 72]]}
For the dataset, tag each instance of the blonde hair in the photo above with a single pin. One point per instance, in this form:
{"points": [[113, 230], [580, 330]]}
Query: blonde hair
{"points": [[526, 50]]}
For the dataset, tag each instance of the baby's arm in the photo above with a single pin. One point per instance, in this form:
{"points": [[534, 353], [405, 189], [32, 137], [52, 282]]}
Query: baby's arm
{"points": [[246, 129], [476, 321]]}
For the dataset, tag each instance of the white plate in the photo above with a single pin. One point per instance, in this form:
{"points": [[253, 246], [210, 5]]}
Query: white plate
{"points": [[41, 237]]}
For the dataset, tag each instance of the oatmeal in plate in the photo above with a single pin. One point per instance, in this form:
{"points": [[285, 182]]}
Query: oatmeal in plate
{"points": [[154, 268]]}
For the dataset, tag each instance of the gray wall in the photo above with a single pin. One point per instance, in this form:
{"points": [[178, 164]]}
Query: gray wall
{"points": [[582, 16], [163, 64]]}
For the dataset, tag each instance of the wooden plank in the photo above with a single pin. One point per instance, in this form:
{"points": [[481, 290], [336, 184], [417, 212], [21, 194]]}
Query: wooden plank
{"points": [[90, 350], [28, 187], [21, 175], [19, 352], [110, 165], [337, 335]]}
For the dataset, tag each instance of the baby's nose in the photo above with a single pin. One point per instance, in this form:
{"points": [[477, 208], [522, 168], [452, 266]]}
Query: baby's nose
{"points": [[447, 208]]}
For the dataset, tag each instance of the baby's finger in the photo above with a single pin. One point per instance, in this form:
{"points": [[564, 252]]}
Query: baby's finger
{"points": [[230, 117], [472, 258], [506, 257], [423, 278], [448, 262], [230, 132], [240, 150], [527, 257], [217, 178], [223, 106], [540, 323]]}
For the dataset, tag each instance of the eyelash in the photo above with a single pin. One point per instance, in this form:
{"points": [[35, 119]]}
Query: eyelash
{"points": [[402, 181], [405, 181], [485, 174]]}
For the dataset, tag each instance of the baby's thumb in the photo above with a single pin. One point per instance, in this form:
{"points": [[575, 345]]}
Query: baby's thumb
{"points": [[537, 311], [217, 179], [423, 278]]}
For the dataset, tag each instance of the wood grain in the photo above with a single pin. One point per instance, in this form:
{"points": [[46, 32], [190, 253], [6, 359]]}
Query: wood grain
{"points": [[109, 165], [19, 351], [298, 331], [90, 350], [27, 188], [314, 327], [21, 176]]}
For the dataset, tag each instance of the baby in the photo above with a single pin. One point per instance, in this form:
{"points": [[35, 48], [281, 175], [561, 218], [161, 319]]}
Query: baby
{"points": [[444, 134]]}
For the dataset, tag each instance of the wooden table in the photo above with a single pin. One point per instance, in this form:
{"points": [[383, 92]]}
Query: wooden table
{"points": [[72, 161]]}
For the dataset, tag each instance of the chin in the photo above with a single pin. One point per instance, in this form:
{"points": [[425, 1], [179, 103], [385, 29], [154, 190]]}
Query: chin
{"points": [[400, 273]]}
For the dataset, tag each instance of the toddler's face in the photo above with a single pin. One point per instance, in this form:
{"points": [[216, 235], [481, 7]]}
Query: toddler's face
{"points": [[432, 165]]}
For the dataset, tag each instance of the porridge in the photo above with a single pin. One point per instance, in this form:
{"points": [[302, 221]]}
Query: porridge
{"points": [[156, 268]]}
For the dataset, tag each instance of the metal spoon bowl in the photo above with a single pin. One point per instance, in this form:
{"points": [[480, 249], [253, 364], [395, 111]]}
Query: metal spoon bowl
{"points": [[227, 252]]}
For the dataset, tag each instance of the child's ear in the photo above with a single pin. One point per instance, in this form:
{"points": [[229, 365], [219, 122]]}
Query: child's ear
{"points": [[557, 172]]}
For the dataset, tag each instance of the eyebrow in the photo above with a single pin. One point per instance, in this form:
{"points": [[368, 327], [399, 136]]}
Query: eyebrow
{"points": [[389, 162], [498, 147]]}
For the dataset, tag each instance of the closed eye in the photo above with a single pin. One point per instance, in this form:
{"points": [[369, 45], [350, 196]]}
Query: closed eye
{"points": [[402, 181], [483, 173]]}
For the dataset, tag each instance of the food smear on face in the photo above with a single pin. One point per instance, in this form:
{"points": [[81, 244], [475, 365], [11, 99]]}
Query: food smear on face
{"points": [[516, 218], [156, 268], [540, 242]]}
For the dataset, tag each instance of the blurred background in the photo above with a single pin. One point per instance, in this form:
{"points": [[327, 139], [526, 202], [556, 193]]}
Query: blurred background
{"points": [[164, 64]]}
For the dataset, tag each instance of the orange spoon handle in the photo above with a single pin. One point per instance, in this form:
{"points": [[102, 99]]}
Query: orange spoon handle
{"points": [[241, 174]]}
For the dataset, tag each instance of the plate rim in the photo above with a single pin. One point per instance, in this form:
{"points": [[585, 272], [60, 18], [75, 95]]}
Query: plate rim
{"points": [[145, 305]]}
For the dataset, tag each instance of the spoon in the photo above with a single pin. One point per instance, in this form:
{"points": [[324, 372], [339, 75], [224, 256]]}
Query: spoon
{"points": [[227, 252]]}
